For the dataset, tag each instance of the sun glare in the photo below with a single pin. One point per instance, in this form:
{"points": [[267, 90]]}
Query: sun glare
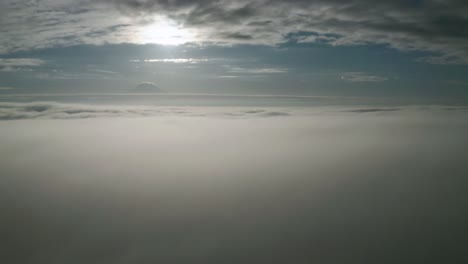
{"points": [[164, 33]]}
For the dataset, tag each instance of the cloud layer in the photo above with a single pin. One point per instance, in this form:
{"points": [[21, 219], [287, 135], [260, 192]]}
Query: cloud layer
{"points": [[52, 110], [435, 26], [333, 187]]}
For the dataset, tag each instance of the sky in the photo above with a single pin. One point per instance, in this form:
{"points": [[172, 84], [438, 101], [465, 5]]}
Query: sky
{"points": [[405, 49]]}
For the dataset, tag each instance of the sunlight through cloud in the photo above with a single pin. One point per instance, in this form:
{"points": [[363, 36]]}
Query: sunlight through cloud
{"points": [[164, 32]]}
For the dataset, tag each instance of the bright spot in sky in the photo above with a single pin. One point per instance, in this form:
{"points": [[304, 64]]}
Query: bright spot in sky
{"points": [[164, 33]]}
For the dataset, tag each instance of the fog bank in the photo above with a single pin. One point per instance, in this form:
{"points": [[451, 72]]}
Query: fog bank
{"points": [[318, 185]]}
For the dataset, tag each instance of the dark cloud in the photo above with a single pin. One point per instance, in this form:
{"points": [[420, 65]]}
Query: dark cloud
{"points": [[433, 25], [427, 25], [106, 31], [236, 36]]}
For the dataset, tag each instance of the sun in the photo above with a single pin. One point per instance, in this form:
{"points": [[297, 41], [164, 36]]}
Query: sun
{"points": [[164, 33]]}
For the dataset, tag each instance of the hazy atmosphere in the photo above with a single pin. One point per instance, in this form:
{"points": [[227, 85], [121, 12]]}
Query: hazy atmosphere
{"points": [[151, 131]]}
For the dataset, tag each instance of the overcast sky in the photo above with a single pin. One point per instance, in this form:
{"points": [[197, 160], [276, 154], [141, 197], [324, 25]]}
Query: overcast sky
{"points": [[342, 48]]}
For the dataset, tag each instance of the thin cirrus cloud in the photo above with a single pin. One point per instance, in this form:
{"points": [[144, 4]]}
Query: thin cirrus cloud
{"points": [[434, 26], [362, 77], [240, 70], [18, 64], [174, 60]]}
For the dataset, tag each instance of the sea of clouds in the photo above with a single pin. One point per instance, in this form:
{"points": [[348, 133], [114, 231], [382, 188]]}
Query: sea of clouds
{"points": [[142, 184]]}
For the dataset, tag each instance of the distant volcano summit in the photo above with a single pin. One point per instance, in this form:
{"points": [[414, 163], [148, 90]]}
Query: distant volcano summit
{"points": [[147, 87]]}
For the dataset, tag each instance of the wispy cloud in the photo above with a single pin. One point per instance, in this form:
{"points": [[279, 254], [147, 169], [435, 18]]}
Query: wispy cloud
{"points": [[316, 39], [444, 59], [19, 64], [269, 70], [373, 110], [103, 71], [92, 75], [362, 77], [228, 76], [176, 60]]}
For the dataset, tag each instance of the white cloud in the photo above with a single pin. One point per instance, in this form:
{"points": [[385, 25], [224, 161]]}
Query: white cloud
{"points": [[53, 110], [21, 62], [316, 38], [331, 187], [228, 76], [176, 60], [235, 69], [92, 74], [362, 77], [103, 71]]}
